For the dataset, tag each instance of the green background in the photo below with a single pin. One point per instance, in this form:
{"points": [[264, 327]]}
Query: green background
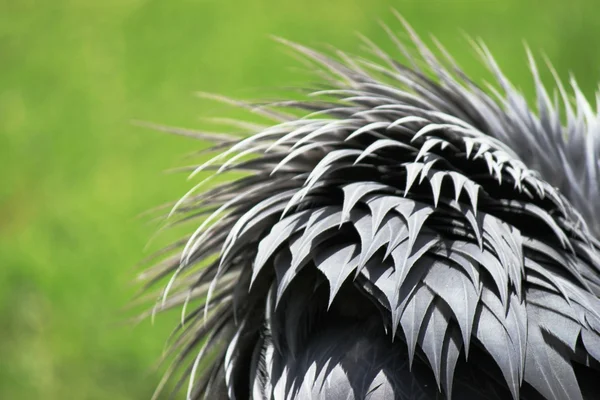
{"points": [[75, 172]]}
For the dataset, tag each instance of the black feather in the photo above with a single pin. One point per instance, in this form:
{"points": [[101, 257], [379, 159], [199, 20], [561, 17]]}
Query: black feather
{"points": [[407, 219]]}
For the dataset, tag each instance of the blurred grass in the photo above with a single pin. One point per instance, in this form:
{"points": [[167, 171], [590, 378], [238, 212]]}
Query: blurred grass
{"points": [[75, 173]]}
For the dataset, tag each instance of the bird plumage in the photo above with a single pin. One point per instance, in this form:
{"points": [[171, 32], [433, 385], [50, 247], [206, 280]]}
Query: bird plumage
{"points": [[398, 234]]}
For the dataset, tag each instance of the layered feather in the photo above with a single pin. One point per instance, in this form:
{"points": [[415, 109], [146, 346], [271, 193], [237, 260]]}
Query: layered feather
{"points": [[469, 221]]}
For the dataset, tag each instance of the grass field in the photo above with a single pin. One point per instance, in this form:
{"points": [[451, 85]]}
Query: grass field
{"points": [[75, 172]]}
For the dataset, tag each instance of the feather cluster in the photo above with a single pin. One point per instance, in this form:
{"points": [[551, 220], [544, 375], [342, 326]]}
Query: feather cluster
{"points": [[466, 221]]}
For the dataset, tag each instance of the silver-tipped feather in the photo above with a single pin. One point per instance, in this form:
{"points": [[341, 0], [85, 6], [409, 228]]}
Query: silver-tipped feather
{"points": [[389, 229]]}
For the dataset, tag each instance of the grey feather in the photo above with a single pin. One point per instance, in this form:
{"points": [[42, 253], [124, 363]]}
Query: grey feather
{"points": [[445, 218]]}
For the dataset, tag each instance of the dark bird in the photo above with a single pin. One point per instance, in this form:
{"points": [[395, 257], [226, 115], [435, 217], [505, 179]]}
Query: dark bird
{"points": [[396, 232]]}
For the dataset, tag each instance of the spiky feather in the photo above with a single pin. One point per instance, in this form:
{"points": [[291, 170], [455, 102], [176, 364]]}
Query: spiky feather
{"points": [[405, 219]]}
